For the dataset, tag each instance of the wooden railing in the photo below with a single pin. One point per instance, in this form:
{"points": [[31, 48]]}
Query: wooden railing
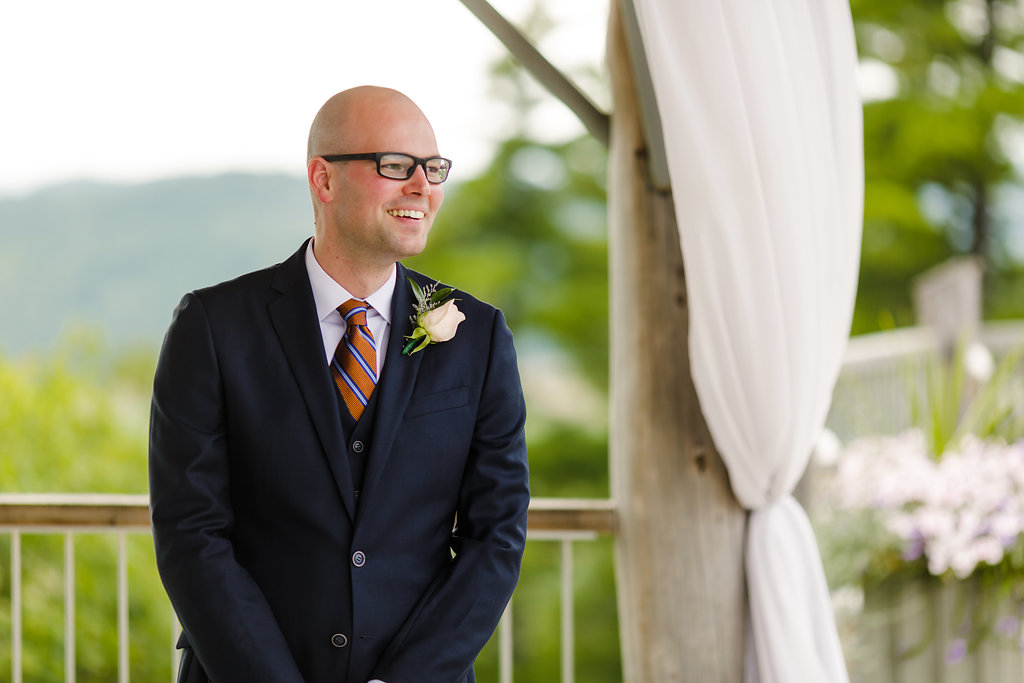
{"points": [[132, 511], [551, 519]]}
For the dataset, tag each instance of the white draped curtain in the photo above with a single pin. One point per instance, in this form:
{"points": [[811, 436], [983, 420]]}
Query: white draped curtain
{"points": [[762, 127]]}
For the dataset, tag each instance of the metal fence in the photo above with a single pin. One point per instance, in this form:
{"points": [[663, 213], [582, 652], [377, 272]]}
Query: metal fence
{"points": [[562, 521]]}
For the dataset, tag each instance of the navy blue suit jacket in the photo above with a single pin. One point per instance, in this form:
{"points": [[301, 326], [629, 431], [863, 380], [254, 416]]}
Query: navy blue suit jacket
{"points": [[275, 571]]}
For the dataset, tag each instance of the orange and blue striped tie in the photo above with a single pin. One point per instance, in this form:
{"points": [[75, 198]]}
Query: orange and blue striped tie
{"points": [[354, 366]]}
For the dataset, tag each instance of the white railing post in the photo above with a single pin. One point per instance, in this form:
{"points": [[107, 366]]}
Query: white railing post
{"points": [[122, 607], [16, 607], [505, 645], [568, 593], [568, 625], [175, 653], [69, 607]]}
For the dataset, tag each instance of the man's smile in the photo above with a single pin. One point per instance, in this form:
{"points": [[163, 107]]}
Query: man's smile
{"points": [[406, 213]]}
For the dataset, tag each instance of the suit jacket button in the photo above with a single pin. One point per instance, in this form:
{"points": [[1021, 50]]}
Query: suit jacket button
{"points": [[339, 640], [358, 446], [359, 558]]}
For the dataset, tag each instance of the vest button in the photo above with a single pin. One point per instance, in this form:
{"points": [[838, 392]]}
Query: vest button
{"points": [[358, 446], [339, 640], [359, 558]]}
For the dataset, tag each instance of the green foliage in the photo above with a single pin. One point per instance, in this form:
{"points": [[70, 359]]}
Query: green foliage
{"points": [[76, 422], [953, 404], [993, 410], [530, 236], [857, 550], [934, 146], [938, 410], [1006, 289], [541, 256]]}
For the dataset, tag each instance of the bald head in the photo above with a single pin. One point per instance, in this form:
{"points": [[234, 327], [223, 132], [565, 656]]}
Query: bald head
{"points": [[366, 220], [353, 119]]}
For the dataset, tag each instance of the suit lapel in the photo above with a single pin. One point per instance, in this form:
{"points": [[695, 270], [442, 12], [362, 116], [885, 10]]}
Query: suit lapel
{"points": [[396, 382], [293, 315]]}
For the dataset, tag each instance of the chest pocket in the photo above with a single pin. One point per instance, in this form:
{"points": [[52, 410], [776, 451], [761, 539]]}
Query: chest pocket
{"points": [[437, 401]]}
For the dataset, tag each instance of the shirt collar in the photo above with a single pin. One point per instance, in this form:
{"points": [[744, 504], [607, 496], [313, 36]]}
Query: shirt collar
{"points": [[328, 294]]}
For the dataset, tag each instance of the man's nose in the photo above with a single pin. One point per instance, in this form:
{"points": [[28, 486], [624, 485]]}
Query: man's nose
{"points": [[417, 182]]}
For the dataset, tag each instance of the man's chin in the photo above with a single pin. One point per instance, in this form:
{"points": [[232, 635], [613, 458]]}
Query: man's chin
{"points": [[412, 245]]}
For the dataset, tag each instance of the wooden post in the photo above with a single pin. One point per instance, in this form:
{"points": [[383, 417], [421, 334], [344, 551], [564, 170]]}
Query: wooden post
{"points": [[679, 546]]}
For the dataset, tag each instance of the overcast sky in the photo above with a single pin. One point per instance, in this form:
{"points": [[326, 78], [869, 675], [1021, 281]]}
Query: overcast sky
{"points": [[132, 90]]}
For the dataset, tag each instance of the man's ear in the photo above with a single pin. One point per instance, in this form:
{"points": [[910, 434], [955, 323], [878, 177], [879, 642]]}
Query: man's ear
{"points": [[321, 180]]}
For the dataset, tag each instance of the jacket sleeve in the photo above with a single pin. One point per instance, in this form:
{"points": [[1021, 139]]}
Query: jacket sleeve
{"points": [[225, 617], [460, 611]]}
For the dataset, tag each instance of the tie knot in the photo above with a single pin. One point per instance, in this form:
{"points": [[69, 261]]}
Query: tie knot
{"points": [[354, 312]]}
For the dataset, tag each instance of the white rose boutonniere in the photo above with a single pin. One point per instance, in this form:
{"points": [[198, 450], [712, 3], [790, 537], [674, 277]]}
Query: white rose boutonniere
{"points": [[435, 320]]}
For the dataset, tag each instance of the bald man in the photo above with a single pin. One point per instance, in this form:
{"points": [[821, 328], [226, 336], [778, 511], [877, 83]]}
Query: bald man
{"points": [[338, 471]]}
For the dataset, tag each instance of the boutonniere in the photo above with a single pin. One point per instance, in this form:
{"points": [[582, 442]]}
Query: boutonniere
{"points": [[435, 319]]}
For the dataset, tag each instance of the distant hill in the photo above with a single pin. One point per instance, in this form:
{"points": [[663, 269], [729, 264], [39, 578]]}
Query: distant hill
{"points": [[119, 257]]}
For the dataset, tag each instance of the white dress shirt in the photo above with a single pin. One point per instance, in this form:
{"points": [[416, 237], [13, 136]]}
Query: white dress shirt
{"points": [[328, 295]]}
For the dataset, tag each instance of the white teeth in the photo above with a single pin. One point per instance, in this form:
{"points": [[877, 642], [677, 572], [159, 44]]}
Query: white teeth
{"points": [[406, 213]]}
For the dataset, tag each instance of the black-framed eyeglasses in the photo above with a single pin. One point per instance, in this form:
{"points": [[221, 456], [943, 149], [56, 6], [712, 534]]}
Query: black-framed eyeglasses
{"points": [[399, 166]]}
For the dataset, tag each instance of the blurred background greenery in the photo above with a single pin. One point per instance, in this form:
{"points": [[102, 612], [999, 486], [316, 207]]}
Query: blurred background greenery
{"points": [[89, 274], [943, 83]]}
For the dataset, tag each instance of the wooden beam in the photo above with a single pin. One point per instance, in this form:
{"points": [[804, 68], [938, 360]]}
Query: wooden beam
{"points": [[679, 542], [647, 104], [572, 514], [595, 120], [52, 510], [73, 510]]}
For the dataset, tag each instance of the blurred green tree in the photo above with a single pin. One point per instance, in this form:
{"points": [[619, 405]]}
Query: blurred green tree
{"points": [[943, 83], [75, 421], [529, 235]]}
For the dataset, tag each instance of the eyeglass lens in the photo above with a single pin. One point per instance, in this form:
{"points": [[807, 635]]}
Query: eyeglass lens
{"points": [[402, 166]]}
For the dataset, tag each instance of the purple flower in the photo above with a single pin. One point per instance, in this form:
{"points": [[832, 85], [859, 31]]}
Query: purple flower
{"points": [[1008, 626], [956, 651], [914, 549]]}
